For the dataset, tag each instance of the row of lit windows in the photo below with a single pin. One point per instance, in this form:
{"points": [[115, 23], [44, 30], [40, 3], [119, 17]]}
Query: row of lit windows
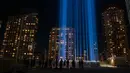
{"points": [[30, 23], [32, 31]]}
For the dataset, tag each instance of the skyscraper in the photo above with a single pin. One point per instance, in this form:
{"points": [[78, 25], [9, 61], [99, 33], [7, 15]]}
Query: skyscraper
{"points": [[20, 35], [55, 43], [128, 9], [115, 32]]}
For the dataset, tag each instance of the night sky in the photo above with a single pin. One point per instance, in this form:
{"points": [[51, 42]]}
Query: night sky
{"points": [[48, 13]]}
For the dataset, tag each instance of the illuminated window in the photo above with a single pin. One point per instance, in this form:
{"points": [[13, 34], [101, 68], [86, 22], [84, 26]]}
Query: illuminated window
{"points": [[109, 34], [6, 51], [24, 53], [120, 44], [124, 50], [12, 55], [62, 42], [23, 43], [32, 23], [26, 23], [14, 49], [32, 35], [120, 22], [26, 30], [69, 33]]}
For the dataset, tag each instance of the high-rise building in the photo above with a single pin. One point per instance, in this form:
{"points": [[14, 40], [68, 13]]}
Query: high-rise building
{"points": [[128, 9], [115, 29], [55, 42], [19, 35]]}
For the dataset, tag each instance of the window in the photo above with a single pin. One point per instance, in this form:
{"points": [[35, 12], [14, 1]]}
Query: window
{"points": [[33, 24], [23, 43], [12, 55], [26, 23], [69, 33], [14, 49]]}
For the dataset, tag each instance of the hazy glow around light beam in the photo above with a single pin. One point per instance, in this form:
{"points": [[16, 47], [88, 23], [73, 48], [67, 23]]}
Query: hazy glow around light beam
{"points": [[83, 17]]}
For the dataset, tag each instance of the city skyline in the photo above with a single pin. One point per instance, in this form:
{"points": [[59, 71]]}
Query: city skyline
{"points": [[46, 15], [41, 35]]}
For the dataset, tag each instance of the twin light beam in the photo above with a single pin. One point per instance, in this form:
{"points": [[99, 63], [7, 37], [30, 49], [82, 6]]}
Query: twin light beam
{"points": [[80, 15]]}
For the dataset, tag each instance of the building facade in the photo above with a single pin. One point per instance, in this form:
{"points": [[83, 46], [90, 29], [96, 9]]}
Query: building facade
{"points": [[20, 35], [116, 43], [55, 43]]}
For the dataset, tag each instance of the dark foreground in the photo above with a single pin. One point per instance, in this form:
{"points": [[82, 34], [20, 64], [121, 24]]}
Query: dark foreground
{"points": [[85, 70]]}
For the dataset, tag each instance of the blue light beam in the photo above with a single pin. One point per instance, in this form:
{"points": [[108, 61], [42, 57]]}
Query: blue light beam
{"points": [[62, 25], [92, 28]]}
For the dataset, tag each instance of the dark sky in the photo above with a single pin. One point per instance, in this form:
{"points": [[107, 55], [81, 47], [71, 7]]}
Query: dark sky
{"points": [[47, 14]]}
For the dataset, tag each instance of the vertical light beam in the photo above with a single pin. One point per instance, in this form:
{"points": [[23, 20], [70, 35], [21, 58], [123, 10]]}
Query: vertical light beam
{"points": [[92, 28], [75, 17], [62, 25]]}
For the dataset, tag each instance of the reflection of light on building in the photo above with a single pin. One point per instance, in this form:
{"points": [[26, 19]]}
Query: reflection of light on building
{"points": [[55, 43], [115, 32], [20, 32]]}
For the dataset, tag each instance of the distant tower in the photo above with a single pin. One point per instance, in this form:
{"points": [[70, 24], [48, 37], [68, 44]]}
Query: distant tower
{"points": [[115, 32], [19, 35], [55, 43]]}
